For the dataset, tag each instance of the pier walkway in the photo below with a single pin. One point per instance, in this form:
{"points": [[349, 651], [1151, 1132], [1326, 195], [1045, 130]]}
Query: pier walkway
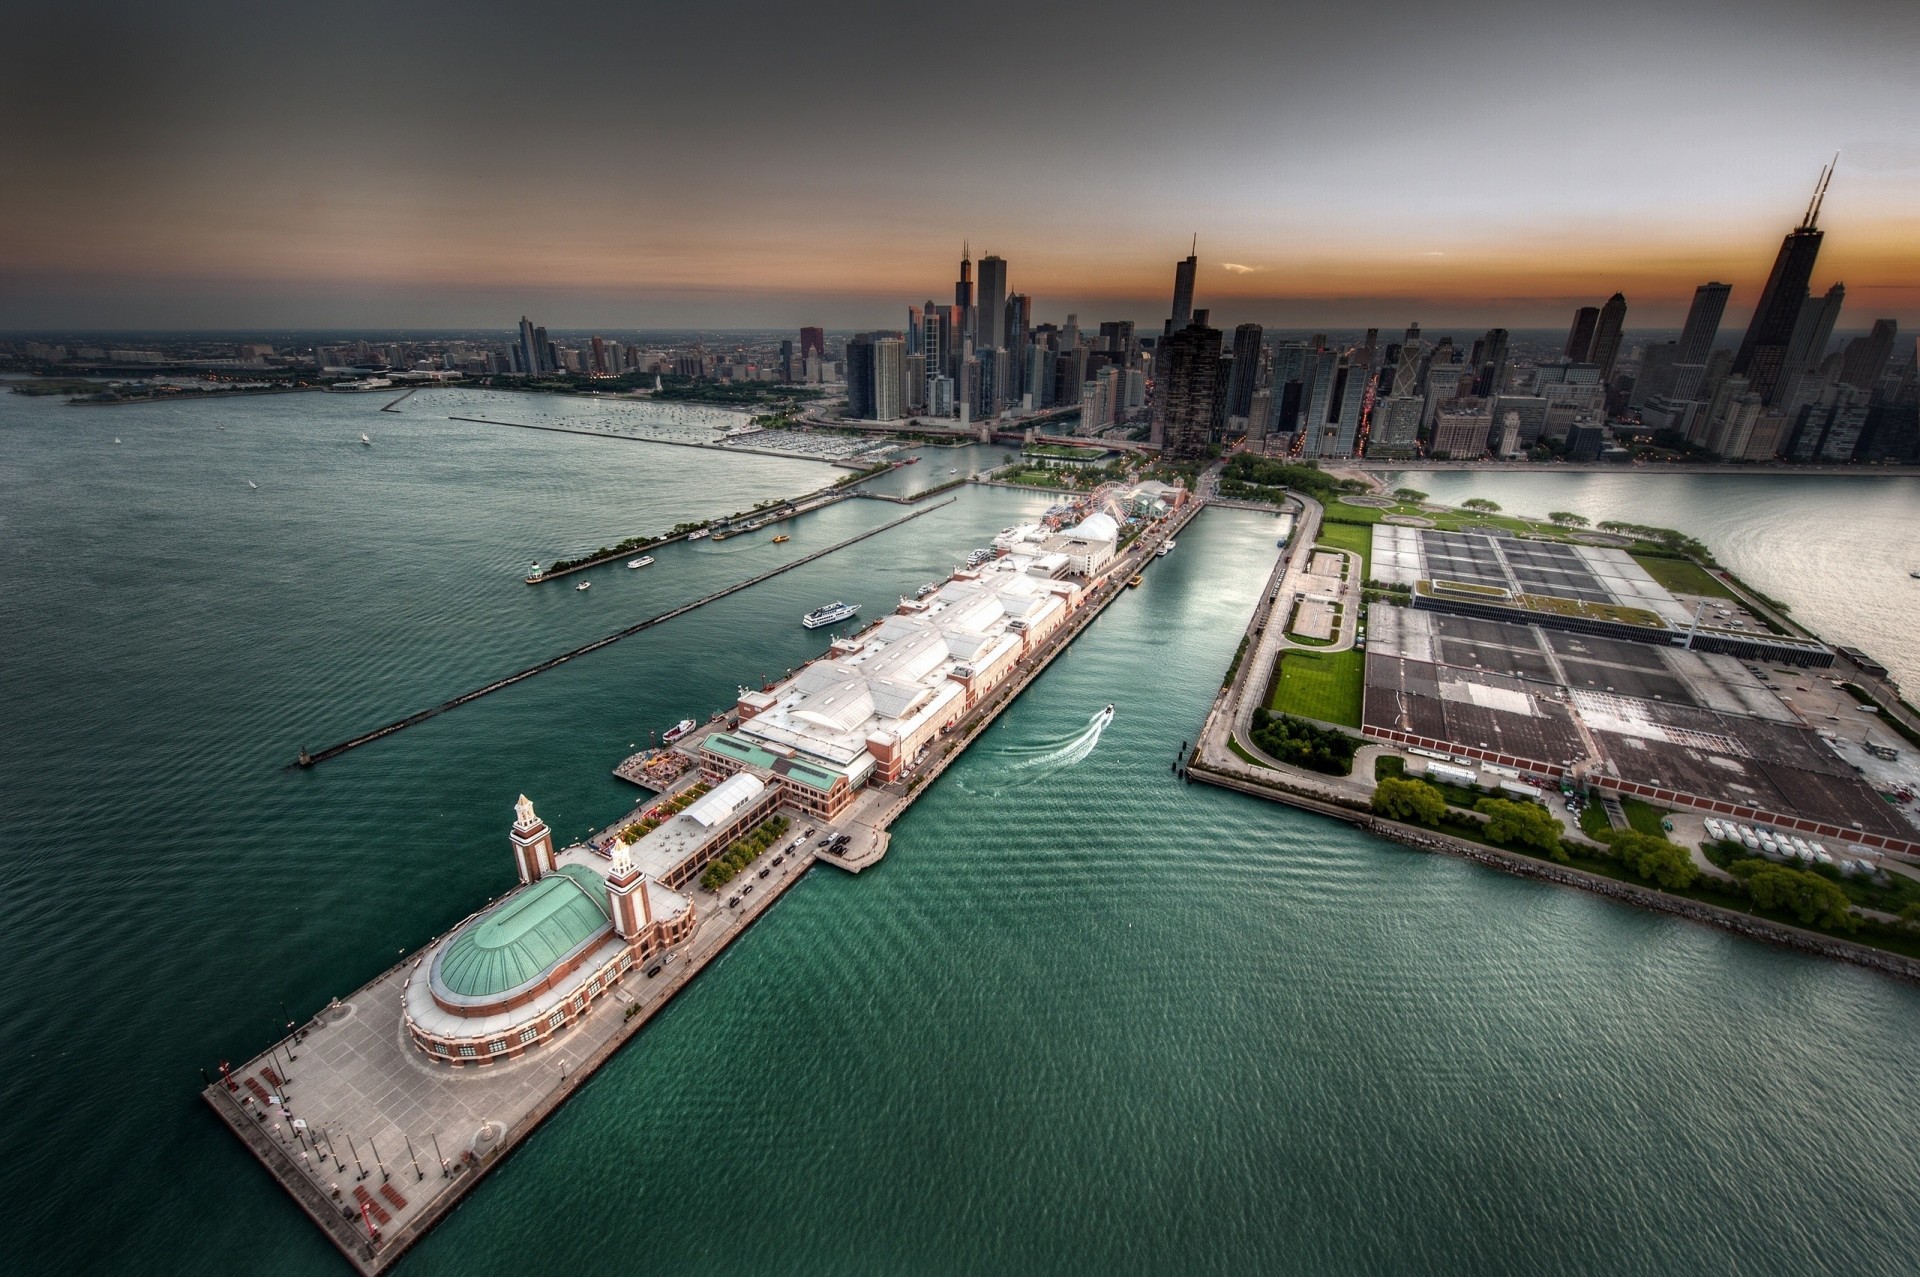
{"points": [[388, 1142], [334, 751]]}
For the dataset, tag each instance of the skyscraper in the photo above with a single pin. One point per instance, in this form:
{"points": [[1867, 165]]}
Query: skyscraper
{"points": [[1491, 374], [1866, 357], [532, 355], [813, 341], [1246, 370], [1580, 336], [1762, 356], [889, 369], [1703, 323], [963, 302], [1605, 349], [860, 377], [1813, 330], [1187, 373], [993, 303], [1183, 274]]}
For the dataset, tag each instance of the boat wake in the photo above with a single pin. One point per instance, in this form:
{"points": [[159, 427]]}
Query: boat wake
{"points": [[1030, 764]]}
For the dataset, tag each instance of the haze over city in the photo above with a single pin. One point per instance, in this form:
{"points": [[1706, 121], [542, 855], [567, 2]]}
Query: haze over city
{"points": [[202, 165]]}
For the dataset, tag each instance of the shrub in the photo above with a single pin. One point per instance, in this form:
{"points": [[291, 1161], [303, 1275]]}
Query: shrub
{"points": [[1807, 896], [1298, 743], [1523, 824]]}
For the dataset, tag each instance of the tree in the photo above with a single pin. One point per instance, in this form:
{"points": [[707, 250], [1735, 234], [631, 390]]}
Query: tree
{"points": [[1910, 916], [1481, 504], [1655, 859], [1409, 494], [1568, 519], [1413, 801], [1525, 824], [1807, 896]]}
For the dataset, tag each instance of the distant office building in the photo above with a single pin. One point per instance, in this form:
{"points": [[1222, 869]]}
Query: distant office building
{"points": [[1762, 357], [1491, 376], [1246, 370], [1288, 382], [1703, 323], [1183, 274], [1655, 379], [1443, 385], [993, 303], [1396, 426], [860, 404], [1866, 357], [913, 384], [1460, 430], [1187, 380], [1333, 423], [1530, 409], [786, 360], [1580, 336], [1585, 439], [813, 341], [889, 370], [1813, 332], [1605, 349], [1661, 414], [940, 396], [963, 319], [1830, 429]]}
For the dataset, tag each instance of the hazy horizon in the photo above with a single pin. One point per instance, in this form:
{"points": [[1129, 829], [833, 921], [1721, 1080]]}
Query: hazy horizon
{"points": [[213, 166]]}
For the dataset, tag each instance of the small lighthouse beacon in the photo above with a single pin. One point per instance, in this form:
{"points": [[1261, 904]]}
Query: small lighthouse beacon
{"points": [[627, 894], [532, 843]]}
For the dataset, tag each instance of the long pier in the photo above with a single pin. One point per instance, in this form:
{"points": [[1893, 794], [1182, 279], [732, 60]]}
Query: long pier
{"points": [[363, 1052], [334, 751]]}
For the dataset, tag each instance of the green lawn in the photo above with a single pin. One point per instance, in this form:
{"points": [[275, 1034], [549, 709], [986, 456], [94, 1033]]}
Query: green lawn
{"points": [[1321, 685], [1683, 576], [1349, 536], [1644, 816]]}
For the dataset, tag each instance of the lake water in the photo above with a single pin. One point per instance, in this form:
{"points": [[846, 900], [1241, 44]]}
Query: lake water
{"points": [[1083, 1019]]}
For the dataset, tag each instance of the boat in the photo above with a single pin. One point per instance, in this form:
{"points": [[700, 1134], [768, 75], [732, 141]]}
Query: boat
{"points": [[698, 534], [953, 470], [1914, 575], [252, 484], [678, 730], [1165, 550], [927, 589], [364, 441], [584, 585], [782, 539], [645, 560], [911, 461], [829, 614], [1134, 582], [116, 439]]}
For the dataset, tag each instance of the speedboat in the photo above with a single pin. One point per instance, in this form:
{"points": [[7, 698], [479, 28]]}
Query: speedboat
{"points": [[953, 470], [927, 589], [366, 442], [1164, 550], [644, 560], [678, 730], [584, 585], [782, 539]]}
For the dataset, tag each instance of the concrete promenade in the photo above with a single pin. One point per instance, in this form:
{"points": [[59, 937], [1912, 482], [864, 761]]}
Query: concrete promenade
{"points": [[380, 1117], [391, 1141]]}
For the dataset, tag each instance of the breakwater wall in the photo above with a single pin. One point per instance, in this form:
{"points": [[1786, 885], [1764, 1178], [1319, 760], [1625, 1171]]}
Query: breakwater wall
{"points": [[334, 751]]}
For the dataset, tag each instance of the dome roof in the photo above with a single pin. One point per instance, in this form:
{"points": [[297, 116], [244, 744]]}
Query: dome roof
{"points": [[522, 938]]}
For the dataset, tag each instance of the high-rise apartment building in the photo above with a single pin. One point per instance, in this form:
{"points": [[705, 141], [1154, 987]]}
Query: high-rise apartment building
{"points": [[1762, 357]]}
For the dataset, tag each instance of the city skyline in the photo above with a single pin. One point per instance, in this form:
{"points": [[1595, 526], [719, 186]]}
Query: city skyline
{"points": [[188, 172]]}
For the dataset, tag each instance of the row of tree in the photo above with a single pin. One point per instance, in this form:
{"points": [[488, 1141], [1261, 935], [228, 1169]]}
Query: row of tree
{"points": [[724, 867], [1299, 743]]}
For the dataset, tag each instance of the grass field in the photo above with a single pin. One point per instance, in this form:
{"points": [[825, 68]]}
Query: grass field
{"points": [[1644, 816], [1321, 685], [1349, 536], [1683, 576]]}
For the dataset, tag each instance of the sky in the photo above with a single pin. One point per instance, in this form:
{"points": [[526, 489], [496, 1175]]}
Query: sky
{"points": [[209, 165]]}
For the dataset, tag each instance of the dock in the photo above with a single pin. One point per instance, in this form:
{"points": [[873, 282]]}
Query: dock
{"points": [[376, 1143]]}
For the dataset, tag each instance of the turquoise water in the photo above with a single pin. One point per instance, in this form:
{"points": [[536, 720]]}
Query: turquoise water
{"points": [[1084, 1018]]}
